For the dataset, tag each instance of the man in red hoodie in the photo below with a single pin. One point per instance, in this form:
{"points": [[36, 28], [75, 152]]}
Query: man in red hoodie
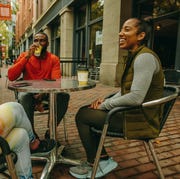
{"points": [[43, 66]]}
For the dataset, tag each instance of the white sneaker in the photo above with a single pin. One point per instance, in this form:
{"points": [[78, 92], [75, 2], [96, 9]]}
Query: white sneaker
{"points": [[85, 170]]}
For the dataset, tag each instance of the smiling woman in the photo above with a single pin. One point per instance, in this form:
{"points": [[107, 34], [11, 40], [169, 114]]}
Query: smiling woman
{"points": [[133, 34], [142, 81]]}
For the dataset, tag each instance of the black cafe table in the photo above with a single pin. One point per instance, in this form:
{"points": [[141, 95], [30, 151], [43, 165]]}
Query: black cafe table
{"points": [[51, 87]]}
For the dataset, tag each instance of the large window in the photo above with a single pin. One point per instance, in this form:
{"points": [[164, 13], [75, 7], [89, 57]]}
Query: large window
{"points": [[55, 36], [95, 44], [164, 16], [88, 32]]}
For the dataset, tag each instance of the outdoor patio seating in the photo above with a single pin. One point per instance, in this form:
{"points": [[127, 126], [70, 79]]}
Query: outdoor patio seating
{"points": [[167, 101]]}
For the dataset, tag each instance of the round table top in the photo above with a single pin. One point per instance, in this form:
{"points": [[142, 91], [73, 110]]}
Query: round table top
{"points": [[48, 86]]}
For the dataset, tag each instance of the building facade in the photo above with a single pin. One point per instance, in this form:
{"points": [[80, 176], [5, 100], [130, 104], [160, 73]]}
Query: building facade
{"points": [[88, 30]]}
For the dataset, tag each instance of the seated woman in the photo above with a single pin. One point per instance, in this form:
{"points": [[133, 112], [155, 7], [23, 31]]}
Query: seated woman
{"points": [[142, 81], [16, 128]]}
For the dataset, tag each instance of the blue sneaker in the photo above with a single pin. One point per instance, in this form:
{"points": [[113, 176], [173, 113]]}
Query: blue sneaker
{"points": [[85, 170], [105, 167]]}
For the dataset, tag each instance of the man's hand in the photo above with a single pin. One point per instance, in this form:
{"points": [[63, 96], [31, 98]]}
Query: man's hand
{"points": [[96, 103], [31, 50], [38, 102]]}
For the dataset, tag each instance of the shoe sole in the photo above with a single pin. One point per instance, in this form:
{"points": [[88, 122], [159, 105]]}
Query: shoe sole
{"points": [[106, 170], [78, 176]]}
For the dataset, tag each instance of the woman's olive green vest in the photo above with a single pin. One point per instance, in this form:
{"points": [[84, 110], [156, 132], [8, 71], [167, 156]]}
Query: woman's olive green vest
{"points": [[136, 125]]}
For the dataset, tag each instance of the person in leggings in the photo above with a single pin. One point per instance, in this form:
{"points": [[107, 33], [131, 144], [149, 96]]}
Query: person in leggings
{"points": [[16, 128], [142, 80]]}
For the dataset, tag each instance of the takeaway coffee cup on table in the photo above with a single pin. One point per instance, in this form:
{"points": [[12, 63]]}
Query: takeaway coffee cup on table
{"points": [[82, 74]]}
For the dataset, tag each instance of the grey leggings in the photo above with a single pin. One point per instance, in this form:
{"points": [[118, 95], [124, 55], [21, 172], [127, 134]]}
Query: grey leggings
{"points": [[85, 119]]}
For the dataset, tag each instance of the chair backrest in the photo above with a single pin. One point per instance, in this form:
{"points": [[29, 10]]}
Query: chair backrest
{"points": [[170, 94], [172, 76]]}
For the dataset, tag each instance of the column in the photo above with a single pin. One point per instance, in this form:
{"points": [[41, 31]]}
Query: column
{"points": [[66, 32], [112, 64]]}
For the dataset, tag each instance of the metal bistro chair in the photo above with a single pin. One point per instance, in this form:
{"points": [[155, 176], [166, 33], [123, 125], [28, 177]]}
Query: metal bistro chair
{"points": [[7, 160], [172, 76], [168, 99]]}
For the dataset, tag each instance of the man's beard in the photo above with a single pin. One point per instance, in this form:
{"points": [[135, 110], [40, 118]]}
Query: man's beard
{"points": [[44, 49]]}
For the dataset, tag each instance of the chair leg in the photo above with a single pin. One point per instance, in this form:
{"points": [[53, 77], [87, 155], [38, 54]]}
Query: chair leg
{"points": [[151, 148], [148, 151], [11, 167], [98, 154]]}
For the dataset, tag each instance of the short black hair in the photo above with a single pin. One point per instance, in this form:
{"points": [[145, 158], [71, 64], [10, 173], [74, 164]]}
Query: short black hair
{"points": [[43, 33]]}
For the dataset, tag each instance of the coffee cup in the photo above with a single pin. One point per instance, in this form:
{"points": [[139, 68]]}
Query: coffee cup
{"points": [[38, 50], [82, 74]]}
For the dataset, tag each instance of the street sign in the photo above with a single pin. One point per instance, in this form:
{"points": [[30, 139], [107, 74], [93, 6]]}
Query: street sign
{"points": [[5, 12]]}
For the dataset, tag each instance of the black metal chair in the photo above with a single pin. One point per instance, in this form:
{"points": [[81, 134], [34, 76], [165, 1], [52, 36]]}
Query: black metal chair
{"points": [[172, 76], [7, 160], [168, 99]]}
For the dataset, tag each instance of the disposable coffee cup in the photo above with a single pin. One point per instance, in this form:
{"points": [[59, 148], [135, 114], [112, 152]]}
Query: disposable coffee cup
{"points": [[38, 50], [82, 74]]}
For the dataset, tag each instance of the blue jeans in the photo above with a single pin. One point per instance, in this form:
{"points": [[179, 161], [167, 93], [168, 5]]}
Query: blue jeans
{"points": [[16, 129]]}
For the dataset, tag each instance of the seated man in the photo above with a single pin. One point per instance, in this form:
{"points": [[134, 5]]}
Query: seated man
{"points": [[44, 66], [16, 129]]}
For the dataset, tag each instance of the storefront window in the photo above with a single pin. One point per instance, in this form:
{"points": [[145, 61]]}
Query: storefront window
{"points": [[81, 16], [164, 6], [164, 16], [96, 9], [95, 45], [89, 32]]}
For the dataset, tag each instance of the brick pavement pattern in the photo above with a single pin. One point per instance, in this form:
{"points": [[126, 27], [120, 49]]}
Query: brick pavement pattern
{"points": [[130, 155]]}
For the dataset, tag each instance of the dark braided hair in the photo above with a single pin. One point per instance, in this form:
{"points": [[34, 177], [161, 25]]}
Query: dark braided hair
{"points": [[143, 26]]}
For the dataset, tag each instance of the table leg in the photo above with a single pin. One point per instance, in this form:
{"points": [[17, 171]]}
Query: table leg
{"points": [[53, 134], [47, 168]]}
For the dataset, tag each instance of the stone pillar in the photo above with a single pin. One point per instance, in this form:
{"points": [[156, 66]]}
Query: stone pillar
{"points": [[66, 33], [112, 64]]}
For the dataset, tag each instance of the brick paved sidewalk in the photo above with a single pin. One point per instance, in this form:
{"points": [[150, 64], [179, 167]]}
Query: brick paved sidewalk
{"points": [[130, 155]]}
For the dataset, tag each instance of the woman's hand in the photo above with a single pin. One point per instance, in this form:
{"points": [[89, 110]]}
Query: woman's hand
{"points": [[96, 103]]}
